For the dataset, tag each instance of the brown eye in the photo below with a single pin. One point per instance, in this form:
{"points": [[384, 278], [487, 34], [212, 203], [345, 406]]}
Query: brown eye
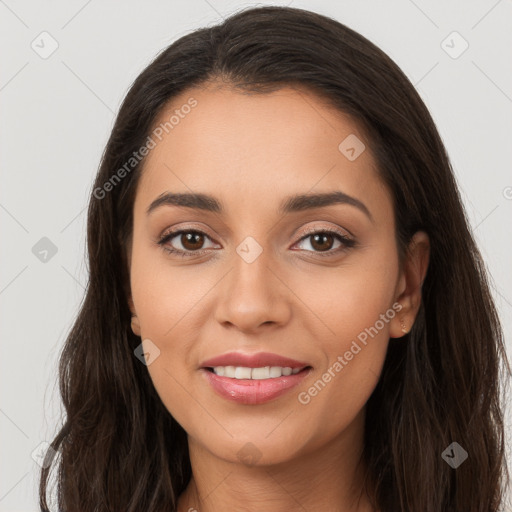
{"points": [[322, 241], [192, 240]]}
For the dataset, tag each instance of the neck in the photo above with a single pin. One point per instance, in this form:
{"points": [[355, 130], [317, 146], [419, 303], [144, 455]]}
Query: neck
{"points": [[328, 477]]}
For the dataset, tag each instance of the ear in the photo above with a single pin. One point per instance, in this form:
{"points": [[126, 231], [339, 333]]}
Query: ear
{"points": [[411, 279], [135, 321]]}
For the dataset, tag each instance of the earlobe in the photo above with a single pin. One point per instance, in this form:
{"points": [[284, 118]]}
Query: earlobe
{"points": [[399, 325], [135, 324]]}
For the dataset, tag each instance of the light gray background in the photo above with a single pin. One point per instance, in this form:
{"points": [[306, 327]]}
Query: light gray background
{"points": [[57, 114]]}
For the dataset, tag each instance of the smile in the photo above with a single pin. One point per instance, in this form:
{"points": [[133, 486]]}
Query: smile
{"points": [[268, 383], [265, 372]]}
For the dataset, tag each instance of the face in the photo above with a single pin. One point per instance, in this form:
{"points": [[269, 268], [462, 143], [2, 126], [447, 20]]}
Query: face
{"points": [[311, 282]]}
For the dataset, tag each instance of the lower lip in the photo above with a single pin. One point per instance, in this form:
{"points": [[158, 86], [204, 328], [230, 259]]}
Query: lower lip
{"points": [[252, 392]]}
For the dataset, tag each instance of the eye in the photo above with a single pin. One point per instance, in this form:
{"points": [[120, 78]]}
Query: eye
{"points": [[322, 240], [191, 241]]}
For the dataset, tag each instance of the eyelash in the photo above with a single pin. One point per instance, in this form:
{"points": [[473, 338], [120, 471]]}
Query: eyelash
{"points": [[346, 242]]}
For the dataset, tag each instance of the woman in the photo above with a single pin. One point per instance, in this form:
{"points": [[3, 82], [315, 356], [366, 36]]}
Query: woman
{"points": [[286, 308]]}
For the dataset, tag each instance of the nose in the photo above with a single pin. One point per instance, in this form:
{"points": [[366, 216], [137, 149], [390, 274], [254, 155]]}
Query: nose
{"points": [[253, 294]]}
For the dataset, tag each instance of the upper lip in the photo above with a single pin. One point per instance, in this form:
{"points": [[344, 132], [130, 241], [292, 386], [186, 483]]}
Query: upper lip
{"points": [[258, 360]]}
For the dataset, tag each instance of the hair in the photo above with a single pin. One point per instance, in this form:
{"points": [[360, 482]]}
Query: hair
{"points": [[119, 447]]}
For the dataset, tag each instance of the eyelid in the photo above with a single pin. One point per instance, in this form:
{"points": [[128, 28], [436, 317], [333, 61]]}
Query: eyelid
{"points": [[170, 233], [307, 231], [177, 230], [314, 229]]}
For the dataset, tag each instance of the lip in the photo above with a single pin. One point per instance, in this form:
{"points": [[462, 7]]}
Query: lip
{"points": [[253, 392], [258, 360]]}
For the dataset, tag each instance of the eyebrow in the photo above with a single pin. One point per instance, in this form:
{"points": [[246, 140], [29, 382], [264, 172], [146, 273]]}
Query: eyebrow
{"points": [[295, 203]]}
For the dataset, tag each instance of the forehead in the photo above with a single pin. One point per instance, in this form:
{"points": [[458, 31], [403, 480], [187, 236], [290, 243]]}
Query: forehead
{"points": [[252, 147]]}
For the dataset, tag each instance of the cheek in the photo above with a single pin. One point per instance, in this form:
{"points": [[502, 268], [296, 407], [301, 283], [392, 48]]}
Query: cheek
{"points": [[164, 295], [355, 309], [354, 358], [168, 303], [350, 300]]}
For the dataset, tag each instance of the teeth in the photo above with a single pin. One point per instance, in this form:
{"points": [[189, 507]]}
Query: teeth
{"points": [[266, 372], [242, 373]]}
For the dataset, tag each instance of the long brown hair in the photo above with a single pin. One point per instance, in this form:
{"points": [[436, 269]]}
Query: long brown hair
{"points": [[120, 449]]}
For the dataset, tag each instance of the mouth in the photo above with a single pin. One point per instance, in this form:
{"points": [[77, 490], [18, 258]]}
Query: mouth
{"points": [[261, 373], [255, 361], [263, 385]]}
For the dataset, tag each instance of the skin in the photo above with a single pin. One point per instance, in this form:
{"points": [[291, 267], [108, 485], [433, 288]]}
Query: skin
{"points": [[250, 152]]}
